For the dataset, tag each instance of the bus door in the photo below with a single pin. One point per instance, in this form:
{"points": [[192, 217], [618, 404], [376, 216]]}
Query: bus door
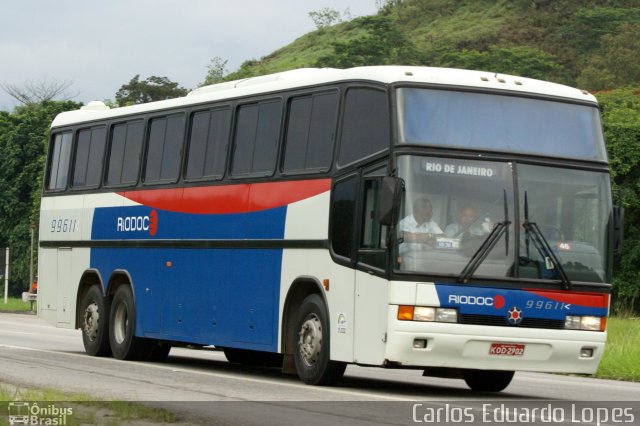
{"points": [[371, 290]]}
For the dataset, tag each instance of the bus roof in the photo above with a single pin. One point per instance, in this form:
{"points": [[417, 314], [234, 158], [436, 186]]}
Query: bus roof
{"points": [[305, 77]]}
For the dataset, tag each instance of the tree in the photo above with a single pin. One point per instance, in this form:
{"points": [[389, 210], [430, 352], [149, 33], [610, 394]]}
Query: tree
{"points": [[383, 44], [616, 64], [23, 142], [524, 61], [152, 89], [324, 17], [621, 114], [35, 92], [216, 71]]}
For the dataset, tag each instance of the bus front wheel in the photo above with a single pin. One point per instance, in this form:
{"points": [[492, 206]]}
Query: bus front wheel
{"points": [[487, 380], [311, 354], [122, 327], [94, 322]]}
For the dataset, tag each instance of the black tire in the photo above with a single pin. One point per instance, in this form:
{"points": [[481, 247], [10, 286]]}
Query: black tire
{"points": [[157, 351], [253, 358], [122, 327], [311, 353], [94, 322], [487, 380]]}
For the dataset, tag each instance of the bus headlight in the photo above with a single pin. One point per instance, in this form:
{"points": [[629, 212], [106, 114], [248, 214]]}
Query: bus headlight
{"points": [[427, 313], [446, 315], [587, 323]]}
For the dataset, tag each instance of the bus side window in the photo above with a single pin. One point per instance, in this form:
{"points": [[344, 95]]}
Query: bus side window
{"points": [[256, 139], [208, 144], [365, 131], [310, 130], [124, 155], [372, 250], [343, 216], [59, 166], [164, 154], [87, 169]]}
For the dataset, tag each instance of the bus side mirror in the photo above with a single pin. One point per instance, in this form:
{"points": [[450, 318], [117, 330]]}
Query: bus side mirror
{"points": [[618, 229], [389, 200]]}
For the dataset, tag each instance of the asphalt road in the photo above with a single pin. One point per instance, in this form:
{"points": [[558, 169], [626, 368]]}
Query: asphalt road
{"points": [[204, 387]]}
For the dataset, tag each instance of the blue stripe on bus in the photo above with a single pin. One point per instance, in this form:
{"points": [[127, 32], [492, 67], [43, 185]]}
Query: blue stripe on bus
{"points": [[222, 297], [497, 302], [136, 222]]}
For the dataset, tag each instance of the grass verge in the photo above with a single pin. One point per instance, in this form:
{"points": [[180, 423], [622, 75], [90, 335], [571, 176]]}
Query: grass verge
{"points": [[15, 304], [80, 408], [622, 352]]}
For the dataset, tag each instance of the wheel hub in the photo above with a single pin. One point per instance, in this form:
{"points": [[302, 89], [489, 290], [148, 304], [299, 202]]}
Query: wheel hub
{"points": [[310, 340], [91, 321], [120, 323]]}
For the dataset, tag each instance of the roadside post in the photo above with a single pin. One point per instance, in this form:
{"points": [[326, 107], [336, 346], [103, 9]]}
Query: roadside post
{"points": [[6, 275]]}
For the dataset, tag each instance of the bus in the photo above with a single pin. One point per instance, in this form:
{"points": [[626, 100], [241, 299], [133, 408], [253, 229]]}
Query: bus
{"points": [[458, 222]]}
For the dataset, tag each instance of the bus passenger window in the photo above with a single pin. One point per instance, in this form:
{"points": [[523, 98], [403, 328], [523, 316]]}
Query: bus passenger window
{"points": [[256, 139], [310, 130], [164, 154], [366, 125], [124, 156], [59, 166], [208, 143], [87, 168]]}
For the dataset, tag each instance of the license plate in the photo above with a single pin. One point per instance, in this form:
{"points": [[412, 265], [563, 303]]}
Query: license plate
{"points": [[506, 349]]}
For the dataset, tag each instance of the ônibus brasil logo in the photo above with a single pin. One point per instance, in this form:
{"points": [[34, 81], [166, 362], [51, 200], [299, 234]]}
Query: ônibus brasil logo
{"points": [[31, 413], [147, 223]]}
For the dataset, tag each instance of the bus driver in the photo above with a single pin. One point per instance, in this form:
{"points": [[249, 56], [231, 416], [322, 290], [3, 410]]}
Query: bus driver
{"points": [[418, 229]]}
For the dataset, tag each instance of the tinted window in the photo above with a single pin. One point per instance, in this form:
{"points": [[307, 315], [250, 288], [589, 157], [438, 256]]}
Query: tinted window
{"points": [[208, 143], [309, 139], [89, 155], [59, 165], [164, 155], [496, 122], [366, 125], [124, 155], [256, 139], [343, 216]]}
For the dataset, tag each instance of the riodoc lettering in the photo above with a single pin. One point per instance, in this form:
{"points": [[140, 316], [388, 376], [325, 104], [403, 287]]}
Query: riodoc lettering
{"points": [[470, 300], [138, 223], [133, 223]]}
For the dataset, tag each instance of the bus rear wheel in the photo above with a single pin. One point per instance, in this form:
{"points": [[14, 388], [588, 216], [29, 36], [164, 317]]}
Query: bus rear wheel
{"points": [[122, 327], [94, 322], [311, 354], [487, 380]]}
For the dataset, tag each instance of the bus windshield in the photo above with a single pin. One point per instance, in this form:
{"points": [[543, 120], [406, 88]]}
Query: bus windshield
{"points": [[500, 123], [451, 206]]}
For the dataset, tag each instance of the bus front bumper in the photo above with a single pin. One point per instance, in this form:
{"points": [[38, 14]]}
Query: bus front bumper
{"points": [[491, 348]]}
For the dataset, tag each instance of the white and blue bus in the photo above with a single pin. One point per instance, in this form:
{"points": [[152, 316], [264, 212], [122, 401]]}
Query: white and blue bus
{"points": [[458, 222]]}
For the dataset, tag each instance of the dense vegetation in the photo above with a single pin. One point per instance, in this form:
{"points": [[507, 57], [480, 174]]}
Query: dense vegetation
{"points": [[591, 44]]}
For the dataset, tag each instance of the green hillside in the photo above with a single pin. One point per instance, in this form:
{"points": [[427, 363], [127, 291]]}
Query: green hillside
{"points": [[589, 43]]}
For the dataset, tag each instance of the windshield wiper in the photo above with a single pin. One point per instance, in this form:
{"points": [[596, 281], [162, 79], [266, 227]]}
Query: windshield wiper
{"points": [[542, 245], [500, 228]]}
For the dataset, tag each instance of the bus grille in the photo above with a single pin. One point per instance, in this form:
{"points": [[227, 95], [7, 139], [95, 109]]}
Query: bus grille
{"points": [[501, 321]]}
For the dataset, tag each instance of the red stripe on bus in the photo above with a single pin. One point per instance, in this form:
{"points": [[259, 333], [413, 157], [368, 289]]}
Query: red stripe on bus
{"points": [[580, 299], [226, 199]]}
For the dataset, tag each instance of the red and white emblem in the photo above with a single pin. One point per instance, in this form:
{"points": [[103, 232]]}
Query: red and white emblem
{"points": [[514, 315]]}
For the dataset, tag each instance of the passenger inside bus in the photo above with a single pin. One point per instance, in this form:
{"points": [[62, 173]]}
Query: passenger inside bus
{"points": [[468, 224]]}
